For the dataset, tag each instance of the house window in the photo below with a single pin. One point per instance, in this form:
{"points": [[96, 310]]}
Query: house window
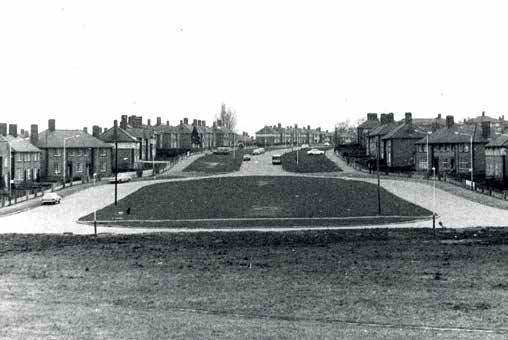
{"points": [[103, 153], [466, 148], [57, 168], [446, 163], [464, 165], [18, 157], [28, 174], [80, 153], [422, 164], [103, 165], [34, 175], [19, 174], [56, 153], [27, 157], [79, 167]]}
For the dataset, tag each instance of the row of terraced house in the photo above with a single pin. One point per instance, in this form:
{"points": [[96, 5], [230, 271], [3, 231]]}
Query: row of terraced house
{"points": [[474, 146], [291, 135], [57, 154]]}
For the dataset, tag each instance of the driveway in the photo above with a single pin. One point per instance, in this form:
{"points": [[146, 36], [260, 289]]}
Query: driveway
{"points": [[453, 211]]}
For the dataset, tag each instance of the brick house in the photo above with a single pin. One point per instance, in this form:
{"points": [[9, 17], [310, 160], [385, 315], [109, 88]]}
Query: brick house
{"points": [[129, 148], [223, 135], [365, 128], [496, 162], [400, 144], [449, 149], [267, 136], [498, 124], [374, 138], [85, 155], [145, 135]]}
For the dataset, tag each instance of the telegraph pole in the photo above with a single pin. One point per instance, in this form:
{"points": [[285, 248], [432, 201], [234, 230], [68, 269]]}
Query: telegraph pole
{"points": [[378, 178]]}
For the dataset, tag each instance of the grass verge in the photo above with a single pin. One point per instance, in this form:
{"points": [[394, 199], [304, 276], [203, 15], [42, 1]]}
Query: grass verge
{"points": [[218, 163], [257, 197], [307, 163]]}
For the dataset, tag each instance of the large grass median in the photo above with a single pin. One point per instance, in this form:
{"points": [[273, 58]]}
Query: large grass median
{"points": [[307, 163], [218, 163], [272, 199]]}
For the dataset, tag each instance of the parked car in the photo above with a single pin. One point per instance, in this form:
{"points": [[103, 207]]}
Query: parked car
{"points": [[327, 144], [258, 151], [246, 157], [276, 159], [51, 197], [121, 178], [222, 150], [305, 146], [315, 152]]}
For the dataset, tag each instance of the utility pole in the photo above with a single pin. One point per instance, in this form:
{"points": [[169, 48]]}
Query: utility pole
{"points": [[378, 178], [115, 136]]}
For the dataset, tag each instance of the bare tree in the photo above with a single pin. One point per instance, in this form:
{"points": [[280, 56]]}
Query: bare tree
{"points": [[228, 118]]}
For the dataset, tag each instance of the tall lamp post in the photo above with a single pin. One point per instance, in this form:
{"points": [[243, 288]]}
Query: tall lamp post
{"points": [[434, 200], [64, 157], [471, 151], [378, 178]]}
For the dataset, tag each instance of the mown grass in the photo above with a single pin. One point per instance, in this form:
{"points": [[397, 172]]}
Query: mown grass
{"points": [[218, 163], [257, 196], [307, 163], [251, 285]]}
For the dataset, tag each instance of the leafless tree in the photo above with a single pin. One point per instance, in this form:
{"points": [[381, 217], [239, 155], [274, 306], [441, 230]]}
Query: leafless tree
{"points": [[228, 117]]}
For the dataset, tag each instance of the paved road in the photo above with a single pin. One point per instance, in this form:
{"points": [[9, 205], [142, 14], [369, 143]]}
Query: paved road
{"points": [[453, 211]]}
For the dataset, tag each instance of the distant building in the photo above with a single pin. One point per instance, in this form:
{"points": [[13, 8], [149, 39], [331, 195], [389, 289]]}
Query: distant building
{"points": [[129, 148], [365, 128]]}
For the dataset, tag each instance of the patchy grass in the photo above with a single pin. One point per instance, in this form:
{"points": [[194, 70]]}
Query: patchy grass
{"points": [[385, 283], [218, 163], [307, 163], [257, 197]]}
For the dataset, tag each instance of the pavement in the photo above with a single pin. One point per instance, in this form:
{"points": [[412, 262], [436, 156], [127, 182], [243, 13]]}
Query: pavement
{"points": [[453, 211]]}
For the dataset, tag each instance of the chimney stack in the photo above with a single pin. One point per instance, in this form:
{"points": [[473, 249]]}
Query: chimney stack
{"points": [[85, 129], [390, 118], [449, 122], [149, 122], [438, 116], [3, 129], [383, 118], [115, 130], [13, 130], [51, 125], [195, 122], [483, 113], [486, 129], [408, 119], [159, 121], [96, 130], [308, 127], [280, 126], [372, 116], [34, 134], [199, 122], [214, 124], [186, 121], [123, 122], [167, 122], [203, 123]]}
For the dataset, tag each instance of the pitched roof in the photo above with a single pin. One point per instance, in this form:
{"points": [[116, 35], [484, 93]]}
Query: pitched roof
{"points": [[142, 132], [457, 134], [405, 131], [382, 130], [165, 129], [499, 141], [123, 136], [483, 118], [55, 139], [19, 144], [369, 124], [267, 130]]}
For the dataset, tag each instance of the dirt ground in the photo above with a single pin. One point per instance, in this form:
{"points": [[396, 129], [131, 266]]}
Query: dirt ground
{"points": [[379, 283]]}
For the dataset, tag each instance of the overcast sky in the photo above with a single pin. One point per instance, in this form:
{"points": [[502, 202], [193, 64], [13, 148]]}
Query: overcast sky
{"points": [[307, 62]]}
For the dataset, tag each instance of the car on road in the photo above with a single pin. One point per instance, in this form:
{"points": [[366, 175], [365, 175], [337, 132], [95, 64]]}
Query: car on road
{"points": [[276, 159], [121, 178], [326, 144], [246, 157], [51, 198], [258, 151], [305, 146], [222, 150], [315, 152]]}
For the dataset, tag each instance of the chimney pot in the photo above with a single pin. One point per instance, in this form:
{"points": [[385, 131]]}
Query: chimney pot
{"points": [[85, 129], [96, 131], [203, 122], [408, 118], [438, 116], [149, 122], [159, 121], [195, 122], [51, 125], [3, 129], [167, 122], [186, 121], [483, 113], [486, 129]]}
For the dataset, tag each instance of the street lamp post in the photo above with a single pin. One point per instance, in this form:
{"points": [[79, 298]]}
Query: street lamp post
{"points": [[434, 200], [64, 158], [378, 178], [9, 167]]}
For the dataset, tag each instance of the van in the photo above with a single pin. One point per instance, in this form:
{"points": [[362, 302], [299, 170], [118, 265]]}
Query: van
{"points": [[276, 159]]}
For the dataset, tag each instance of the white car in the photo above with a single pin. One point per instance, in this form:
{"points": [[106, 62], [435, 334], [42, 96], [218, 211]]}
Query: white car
{"points": [[246, 157], [122, 178], [305, 146], [258, 151], [51, 197], [315, 152], [326, 144]]}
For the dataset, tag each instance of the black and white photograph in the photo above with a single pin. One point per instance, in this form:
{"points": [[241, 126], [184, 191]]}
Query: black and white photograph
{"points": [[235, 169]]}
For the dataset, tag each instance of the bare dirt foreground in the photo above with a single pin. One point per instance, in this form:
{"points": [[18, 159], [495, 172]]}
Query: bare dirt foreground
{"points": [[379, 283]]}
